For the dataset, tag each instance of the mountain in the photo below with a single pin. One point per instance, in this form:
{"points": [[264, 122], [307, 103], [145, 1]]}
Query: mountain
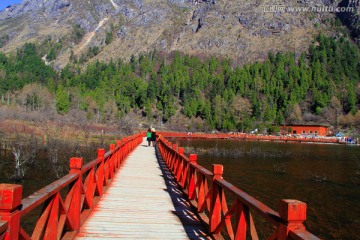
{"points": [[244, 31]]}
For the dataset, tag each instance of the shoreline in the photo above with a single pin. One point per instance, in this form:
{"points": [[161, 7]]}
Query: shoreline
{"points": [[252, 137]]}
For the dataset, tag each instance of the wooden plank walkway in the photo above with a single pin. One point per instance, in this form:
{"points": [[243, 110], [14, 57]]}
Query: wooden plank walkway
{"points": [[143, 202]]}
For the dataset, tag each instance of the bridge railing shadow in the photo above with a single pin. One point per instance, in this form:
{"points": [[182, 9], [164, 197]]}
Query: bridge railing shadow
{"points": [[193, 226], [227, 211]]}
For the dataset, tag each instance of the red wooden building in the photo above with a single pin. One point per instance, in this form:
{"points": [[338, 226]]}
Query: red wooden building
{"points": [[317, 130]]}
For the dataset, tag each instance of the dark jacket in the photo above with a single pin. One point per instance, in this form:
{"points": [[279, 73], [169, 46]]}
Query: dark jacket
{"points": [[153, 136]]}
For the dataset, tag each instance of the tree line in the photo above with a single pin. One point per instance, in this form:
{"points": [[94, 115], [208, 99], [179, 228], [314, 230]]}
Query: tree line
{"points": [[318, 86]]}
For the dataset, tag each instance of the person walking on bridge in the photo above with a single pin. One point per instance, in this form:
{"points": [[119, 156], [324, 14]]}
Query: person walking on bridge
{"points": [[153, 136], [148, 136]]}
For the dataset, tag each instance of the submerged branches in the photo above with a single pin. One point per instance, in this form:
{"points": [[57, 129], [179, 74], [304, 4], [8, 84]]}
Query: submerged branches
{"points": [[317, 177], [280, 167]]}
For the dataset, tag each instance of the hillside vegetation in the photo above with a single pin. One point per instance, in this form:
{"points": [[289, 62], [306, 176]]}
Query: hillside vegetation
{"points": [[188, 93]]}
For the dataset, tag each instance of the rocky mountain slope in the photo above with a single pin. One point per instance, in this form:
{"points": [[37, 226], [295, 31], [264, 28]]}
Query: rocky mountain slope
{"points": [[108, 29]]}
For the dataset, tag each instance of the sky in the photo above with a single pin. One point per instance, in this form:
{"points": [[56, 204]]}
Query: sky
{"points": [[5, 3]]}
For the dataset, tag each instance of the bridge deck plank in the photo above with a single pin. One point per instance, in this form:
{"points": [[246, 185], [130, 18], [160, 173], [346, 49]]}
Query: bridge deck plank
{"points": [[143, 202]]}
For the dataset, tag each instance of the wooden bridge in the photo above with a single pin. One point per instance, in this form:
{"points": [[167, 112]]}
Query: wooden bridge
{"points": [[139, 192]]}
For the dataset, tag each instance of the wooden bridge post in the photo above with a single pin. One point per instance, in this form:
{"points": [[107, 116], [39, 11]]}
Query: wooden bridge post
{"points": [[119, 153], [10, 201], [75, 205], [112, 162], [178, 163], [215, 208], [112, 147], [100, 173], [101, 153], [193, 159], [293, 212]]}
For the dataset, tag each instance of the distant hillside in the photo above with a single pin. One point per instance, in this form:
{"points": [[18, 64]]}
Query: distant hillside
{"points": [[184, 92], [244, 31]]}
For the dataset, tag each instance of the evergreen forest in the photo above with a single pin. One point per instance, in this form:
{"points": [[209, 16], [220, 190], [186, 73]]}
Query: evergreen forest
{"points": [[320, 86]]}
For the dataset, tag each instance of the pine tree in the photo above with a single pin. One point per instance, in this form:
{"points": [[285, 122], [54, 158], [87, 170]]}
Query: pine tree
{"points": [[62, 100]]}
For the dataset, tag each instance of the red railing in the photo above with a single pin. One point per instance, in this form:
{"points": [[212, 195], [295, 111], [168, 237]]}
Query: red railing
{"points": [[66, 202], [254, 137], [211, 195], [3, 229]]}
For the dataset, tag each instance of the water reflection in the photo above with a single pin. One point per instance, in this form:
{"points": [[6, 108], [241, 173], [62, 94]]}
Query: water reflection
{"points": [[43, 170], [39, 174], [324, 176]]}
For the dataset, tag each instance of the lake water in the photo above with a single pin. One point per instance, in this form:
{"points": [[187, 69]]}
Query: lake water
{"points": [[325, 176], [39, 174]]}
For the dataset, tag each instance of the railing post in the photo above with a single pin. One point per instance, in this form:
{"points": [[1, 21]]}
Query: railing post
{"points": [[293, 212], [100, 172], [215, 209], [181, 150], [193, 159], [112, 147], [119, 153], [75, 206], [112, 163], [10, 201]]}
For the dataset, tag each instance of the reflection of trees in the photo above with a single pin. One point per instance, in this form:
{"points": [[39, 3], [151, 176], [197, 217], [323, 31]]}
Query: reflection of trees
{"points": [[59, 150], [357, 172], [55, 152]]}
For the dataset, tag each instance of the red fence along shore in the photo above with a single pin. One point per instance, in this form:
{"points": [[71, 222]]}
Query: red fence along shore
{"points": [[251, 137], [210, 194], [62, 216]]}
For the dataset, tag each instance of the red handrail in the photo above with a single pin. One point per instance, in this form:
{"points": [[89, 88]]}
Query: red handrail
{"points": [[62, 217], [210, 194]]}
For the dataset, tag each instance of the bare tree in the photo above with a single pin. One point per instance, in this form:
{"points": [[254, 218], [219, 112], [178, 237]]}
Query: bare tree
{"points": [[35, 97], [24, 151], [127, 124], [55, 152], [295, 114], [241, 107], [335, 104]]}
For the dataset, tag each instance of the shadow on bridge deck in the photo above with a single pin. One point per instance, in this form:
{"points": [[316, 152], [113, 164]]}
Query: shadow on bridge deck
{"points": [[143, 202], [189, 219]]}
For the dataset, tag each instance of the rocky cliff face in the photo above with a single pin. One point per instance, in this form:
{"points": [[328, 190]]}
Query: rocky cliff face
{"points": [[351, 18], [242, 30]]}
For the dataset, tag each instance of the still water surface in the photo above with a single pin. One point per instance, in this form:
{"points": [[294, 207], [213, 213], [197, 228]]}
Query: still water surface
{"points": [[325, 176], [38, 175]]}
